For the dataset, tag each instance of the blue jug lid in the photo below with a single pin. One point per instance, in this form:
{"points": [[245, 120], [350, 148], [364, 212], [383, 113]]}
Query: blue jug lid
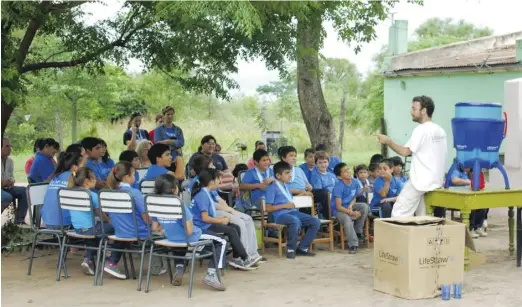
{"points": [[478, 104]]}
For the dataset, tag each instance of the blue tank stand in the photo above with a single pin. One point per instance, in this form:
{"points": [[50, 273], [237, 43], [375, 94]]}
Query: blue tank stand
{"points": [[476, 174]]}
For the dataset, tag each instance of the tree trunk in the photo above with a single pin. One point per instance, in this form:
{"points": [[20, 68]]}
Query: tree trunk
{"points": [[74, 121], [317, 118], [341, 124], [7, 110], [59, 131]]}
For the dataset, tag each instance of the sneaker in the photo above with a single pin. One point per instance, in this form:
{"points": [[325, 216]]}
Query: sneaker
{"points": [[212, 281], [352, 250], [161, 272], [256, 259], [300, 252], [485, 225], [481, 232], [250, 263], [88, 267], [239, 264], [474, 234], [290, 255], [262, 260], [114, 271], [177, 280]]}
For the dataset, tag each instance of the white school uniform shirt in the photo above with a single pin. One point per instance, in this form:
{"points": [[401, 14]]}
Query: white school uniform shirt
{"points": [[428, 144]]}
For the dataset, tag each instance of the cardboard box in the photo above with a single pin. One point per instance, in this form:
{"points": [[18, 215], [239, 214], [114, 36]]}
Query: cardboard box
{"points": [[406, 261]]}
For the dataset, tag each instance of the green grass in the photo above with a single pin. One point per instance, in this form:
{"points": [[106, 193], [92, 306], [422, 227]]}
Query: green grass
{"points": [[358, 146]]}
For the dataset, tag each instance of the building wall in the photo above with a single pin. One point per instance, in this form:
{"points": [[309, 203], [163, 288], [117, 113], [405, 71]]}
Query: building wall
{"points": [[446, 90]]}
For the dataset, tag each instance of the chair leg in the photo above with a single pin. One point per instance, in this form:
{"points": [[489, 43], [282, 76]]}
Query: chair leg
{"points": [[104, 260], [150, 268], [97, 265], [191, 280], [125, 266], [331, 236], [31, 257], [142, 259], [61, 260], [341, 230], [131, 260], [64, 263], [280, 244]]}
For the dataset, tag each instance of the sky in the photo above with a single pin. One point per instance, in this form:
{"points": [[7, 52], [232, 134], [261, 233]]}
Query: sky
{"points": [[502, 16]]}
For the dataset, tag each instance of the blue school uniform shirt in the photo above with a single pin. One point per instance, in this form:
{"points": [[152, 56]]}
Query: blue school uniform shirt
{"points": [[175, 229], [333, 162], [346, 192], [279, 194], [96, 168], [175, 133], [308, 172], [298, 180], [364, 196], [218, 161], [252, 177], [83, 219], [136, 184], [49, 212], [193, 181], [378, 184], [457, 174], [154, 171], [123, 222], [323, 181], [203, 202], [106, 168], [43, 167]]}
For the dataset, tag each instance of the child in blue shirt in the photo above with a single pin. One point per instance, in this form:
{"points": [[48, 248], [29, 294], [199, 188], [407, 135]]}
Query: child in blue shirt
{"points": [[279, 203], [177, 231], [67, 163], [345, 208], [43, 165], [321, 177], [205, 217], [82, 221], [334, 160], [365, 187], [94, 149], [161, 160], [398, 165], [132, 157], [299, 184], [309, 165], [106, 163], [122, 178], [373, 172], [257, 179], [386, 189]]}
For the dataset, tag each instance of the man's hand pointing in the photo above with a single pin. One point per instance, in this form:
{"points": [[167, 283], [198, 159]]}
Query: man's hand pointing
{"points": [[383, 139]]}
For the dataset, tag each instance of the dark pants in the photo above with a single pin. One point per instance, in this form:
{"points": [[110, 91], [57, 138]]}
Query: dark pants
{"points": [[294, 221], [476, 219], [96, 231], [386, 210], [439, 212], [9, 195], [233, 233], [321, 203]]}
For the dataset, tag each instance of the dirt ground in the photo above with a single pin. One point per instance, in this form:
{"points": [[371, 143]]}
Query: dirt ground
{"points": [[330, 279]]}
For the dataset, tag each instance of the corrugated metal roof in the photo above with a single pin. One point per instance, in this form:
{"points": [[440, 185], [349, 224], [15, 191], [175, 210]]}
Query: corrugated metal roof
{"points": [[477, 53]]}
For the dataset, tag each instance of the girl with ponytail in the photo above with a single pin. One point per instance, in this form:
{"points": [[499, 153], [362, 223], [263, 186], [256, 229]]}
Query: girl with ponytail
{"points": [[121, 178], [204, 212], [68, 162], [82, 220]]}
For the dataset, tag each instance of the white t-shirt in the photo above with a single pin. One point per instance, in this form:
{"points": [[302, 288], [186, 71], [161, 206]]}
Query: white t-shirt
{"points": [[428, 144]]}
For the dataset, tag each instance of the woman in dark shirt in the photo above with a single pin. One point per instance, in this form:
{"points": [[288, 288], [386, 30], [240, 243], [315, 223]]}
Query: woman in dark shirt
{"points": [[134, 134]]}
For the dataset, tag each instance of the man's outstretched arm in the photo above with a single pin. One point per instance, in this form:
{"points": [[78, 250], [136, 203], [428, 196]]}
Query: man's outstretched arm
{"points": [[399, 149]]}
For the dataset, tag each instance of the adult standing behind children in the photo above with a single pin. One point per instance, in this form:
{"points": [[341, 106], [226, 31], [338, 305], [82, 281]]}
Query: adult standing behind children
{"points": [[428, 148], [170, 134], [134, 135]]}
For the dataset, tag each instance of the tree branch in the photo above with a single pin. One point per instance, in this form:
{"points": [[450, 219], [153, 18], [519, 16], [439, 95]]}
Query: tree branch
{"points": [[34, 24], [120, 42], [65, 6]]}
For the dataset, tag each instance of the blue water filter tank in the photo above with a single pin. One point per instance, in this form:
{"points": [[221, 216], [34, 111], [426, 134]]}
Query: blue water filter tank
{"points": [[478, 110]]}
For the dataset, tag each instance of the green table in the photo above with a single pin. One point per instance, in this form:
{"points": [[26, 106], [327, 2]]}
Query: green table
{"points": [[465, 200]]}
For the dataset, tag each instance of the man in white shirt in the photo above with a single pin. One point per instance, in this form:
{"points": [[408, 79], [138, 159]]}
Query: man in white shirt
{"points": [[428, 148]]}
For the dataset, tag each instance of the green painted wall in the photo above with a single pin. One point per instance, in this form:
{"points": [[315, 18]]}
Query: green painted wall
{"points": [[446, 90]]}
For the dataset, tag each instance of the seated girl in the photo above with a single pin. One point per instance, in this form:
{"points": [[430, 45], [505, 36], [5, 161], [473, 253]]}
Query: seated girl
{"points": [[176, 231], [82, 220], [205, 217]]}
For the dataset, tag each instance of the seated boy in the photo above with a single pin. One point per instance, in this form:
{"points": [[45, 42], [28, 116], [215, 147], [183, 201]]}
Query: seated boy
{"points": [[386, 189], [309, 165], [299, 184], [258, 178], [397, 169], [344, 207], [373, 172], [161, 159], [279, 202], [322, 179], [93, 149], [334, 160], [365, 187]]}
